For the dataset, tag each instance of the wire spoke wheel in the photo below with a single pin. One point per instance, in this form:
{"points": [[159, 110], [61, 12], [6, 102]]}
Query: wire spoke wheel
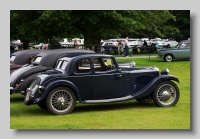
{"points": [[166, 94], [61, 101]]}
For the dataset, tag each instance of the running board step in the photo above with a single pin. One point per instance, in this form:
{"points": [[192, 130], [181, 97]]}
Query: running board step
{"points": [[109, 100]]}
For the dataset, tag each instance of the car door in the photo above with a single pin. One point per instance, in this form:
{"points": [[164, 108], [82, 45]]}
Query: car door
{"points": [[82, 78], [184, 50], [108, 83]]}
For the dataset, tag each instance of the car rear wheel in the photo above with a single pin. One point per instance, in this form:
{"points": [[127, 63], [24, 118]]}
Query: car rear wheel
{"points": [[61, 100], [166, 94], [168, 58]]}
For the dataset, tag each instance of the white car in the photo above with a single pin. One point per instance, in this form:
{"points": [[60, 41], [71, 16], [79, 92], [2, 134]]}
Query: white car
{"points": [[39, 46]]}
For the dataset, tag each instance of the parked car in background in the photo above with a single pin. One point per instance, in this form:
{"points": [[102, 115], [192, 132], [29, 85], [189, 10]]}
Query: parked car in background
{"points": [[39, 46], [46, 60], [97, 79], [23, 57], [181, 51]]}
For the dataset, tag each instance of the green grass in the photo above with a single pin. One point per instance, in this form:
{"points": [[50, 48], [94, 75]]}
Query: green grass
{"points": [[123, 115]]}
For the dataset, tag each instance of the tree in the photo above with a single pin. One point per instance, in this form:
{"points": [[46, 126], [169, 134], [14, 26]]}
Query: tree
{"points": [[93, 25], [182, 23]]}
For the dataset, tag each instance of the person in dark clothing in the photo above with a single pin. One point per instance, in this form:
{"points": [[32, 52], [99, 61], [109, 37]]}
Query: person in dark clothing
{"points": [[12, 48], [145, 44]]}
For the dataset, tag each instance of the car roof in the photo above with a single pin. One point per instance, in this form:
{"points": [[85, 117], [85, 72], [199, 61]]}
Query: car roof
{"points": [[21, 57], [185, 41], [84, 55], [50, 58]]}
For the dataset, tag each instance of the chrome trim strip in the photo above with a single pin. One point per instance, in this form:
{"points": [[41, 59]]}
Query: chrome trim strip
{"points": [[109, 100]]}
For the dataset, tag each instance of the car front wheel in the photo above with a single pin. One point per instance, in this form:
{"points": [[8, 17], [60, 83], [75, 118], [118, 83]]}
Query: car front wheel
{"points": [[168, 58], [61, 100], [166, 94]]}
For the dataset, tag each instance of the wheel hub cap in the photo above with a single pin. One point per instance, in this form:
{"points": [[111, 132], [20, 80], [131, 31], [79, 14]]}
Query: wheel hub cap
{"points": [[61, 100], [166, 96]]}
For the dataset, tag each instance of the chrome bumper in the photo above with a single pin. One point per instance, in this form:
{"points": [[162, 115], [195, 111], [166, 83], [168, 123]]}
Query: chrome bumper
{"points": [[11, 88]]}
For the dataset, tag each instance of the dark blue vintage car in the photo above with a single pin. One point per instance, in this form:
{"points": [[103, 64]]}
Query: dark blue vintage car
{"points": [[97, 78]]}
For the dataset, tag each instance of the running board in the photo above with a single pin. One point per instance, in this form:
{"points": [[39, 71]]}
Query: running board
{"points": [[109, 100]]}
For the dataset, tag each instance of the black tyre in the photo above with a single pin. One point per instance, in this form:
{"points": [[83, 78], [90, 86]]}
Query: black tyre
{"points": [[61, 100], [168, 58], [166, 94], [42, 105]]}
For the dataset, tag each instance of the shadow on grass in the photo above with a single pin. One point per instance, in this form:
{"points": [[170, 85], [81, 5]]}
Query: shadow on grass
{"points": [[34, 110], [112, 106], [15, 98], [174, 61]]}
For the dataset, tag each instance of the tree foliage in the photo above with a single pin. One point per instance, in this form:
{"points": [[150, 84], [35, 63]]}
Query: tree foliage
{"points": [[92, 25]]}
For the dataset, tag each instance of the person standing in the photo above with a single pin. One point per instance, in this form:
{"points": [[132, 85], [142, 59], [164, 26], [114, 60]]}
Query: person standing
{"points": [[12, 48], [76, 44], [126, 49], [145, 44], [119, 46]]}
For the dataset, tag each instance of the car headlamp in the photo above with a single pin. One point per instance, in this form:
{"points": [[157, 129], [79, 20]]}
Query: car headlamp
{"points": [[164, 72]]}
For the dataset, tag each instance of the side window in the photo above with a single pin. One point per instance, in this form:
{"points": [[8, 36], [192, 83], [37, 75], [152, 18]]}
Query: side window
{"points": [[103, 64], [83, 66], [188, 45], [185, 45]]}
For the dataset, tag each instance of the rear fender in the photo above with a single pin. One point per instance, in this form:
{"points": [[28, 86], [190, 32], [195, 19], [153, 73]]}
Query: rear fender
{"points": [[148, 89], [54, 84]]}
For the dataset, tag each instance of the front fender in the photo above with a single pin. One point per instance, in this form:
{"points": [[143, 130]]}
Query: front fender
{"points": [[48, 87], [148, 89]]}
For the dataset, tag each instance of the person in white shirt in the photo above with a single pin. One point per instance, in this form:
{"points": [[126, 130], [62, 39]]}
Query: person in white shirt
{"points": [[76, 44], [126, 49]]}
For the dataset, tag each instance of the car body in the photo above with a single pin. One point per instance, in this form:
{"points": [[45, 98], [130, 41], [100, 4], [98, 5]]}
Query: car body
{"points": [[46, 60], [97, 79], [23, 57], [181, 51]]}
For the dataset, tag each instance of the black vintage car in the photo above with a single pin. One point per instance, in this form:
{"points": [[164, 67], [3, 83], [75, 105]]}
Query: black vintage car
{"points": [[96, 79], [20, 58], [46, 60]]}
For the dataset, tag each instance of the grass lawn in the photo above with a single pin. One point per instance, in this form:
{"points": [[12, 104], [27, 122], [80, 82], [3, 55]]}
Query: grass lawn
{"points": [[123, 115]]}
